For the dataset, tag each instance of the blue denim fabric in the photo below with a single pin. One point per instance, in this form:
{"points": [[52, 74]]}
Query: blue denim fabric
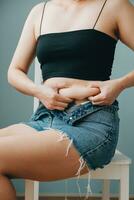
{"points": [[92, 129]]}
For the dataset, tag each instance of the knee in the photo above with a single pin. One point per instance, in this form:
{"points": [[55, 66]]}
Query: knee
{"points": [[3, 172], [2, 169]]}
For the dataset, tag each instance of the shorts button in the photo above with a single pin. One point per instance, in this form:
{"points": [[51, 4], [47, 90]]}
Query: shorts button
{"points": [[70, 118]]}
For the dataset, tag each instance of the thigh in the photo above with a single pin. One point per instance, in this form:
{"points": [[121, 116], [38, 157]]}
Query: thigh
{"points": [[16, 129], [37, 156]]}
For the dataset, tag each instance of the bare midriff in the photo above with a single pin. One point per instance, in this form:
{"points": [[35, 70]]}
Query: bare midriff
{"points": [[76, 89]]}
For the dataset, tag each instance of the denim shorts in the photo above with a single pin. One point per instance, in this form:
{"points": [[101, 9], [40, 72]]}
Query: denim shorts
{"points": [[92, 129]]}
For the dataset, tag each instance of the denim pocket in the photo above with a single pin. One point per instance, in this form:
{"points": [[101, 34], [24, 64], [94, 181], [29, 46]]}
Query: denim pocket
{"points": [[36, 116]]}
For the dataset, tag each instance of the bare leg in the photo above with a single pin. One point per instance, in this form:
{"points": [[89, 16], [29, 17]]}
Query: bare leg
{"points": [[16, 129], [26, 148], [7, 190]]}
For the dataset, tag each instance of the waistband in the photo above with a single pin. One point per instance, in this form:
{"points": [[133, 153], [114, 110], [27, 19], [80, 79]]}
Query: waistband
{"points": [[75, 111], [113, 106]]}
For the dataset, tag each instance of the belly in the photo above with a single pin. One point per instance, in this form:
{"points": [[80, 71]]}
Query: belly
{"points": [[66, 83]]}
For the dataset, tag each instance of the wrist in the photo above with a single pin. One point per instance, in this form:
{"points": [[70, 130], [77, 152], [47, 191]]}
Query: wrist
{"points": [[35, 90], [122, 84]]}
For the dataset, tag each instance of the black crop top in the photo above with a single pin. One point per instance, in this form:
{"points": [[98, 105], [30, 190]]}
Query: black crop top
{"points": [[85, 54]]}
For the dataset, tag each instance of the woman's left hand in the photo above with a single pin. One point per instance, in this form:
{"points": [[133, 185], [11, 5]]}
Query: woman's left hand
{"points": [[109, 91]]}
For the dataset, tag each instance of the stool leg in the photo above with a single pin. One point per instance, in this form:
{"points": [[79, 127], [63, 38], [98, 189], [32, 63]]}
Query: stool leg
{"points": [[106, 190], [31, 190], [124, 183]]}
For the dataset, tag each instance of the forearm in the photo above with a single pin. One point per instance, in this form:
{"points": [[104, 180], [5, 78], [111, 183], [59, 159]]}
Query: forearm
{"points": [[127, 80], [20, 81]]}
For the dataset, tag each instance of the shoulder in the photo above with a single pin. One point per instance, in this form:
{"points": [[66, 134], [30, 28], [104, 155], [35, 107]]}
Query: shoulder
{"points": [[124, 12], [123, 9], [35, 14], [36, 10], [118, 5]]}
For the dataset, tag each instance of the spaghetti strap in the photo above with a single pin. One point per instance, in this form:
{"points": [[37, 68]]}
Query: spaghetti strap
{"points": [[99, 13], [42, 17]]}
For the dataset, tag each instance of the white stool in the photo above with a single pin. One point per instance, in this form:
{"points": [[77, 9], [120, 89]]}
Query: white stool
{"points": [[117, 169]]}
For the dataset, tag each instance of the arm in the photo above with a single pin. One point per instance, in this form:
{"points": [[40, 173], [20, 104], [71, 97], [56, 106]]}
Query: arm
{"points": [[127, 80], [125, 23], [23, 57], [125, 27]]}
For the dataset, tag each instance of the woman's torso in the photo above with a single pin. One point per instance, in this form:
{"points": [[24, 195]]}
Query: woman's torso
{"points": [[57, 19]]}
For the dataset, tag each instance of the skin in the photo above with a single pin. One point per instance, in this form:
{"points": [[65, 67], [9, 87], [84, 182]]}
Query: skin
{"points": [[22, 145]]}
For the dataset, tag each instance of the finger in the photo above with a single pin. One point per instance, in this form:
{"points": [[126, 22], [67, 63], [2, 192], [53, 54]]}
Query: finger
{"points": [[53, 107], [93, 91], [96, 98], [61, 98], [59, 108], [60, 104], [98, 103]]}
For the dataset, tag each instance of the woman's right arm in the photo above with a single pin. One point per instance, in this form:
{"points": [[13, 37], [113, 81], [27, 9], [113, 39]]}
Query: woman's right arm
{"points": [[23, 57]]}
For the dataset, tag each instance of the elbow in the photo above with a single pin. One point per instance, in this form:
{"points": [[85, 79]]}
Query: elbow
{"points": [[10, 76]]}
